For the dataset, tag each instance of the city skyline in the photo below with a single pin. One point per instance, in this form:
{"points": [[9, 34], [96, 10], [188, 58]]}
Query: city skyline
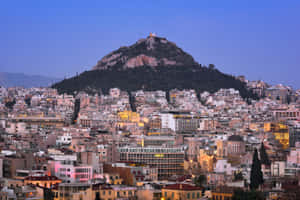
{"points": [[59, 39]]}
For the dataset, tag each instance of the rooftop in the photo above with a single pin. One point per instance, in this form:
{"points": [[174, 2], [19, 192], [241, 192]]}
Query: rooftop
{"points": [[182, 187]]}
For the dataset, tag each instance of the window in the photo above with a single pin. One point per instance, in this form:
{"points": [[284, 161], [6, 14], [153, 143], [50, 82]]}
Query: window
{"points": [[103, 192], [172, 194], [97, 195], [188, 195], [193, 195]]}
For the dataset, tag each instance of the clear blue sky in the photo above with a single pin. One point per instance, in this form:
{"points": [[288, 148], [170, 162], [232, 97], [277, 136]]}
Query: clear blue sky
{"points": [[259, 39]]}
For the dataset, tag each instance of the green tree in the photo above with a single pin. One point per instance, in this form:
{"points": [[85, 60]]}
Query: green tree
{"points": [[238, 176], [240, 194], [76, 111], [256, 176], [264, 158], [200, 180], [10, 104]]}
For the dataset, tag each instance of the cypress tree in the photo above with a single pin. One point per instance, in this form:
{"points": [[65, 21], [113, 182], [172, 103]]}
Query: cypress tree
{"points": [[264, 158], [256, 177]]}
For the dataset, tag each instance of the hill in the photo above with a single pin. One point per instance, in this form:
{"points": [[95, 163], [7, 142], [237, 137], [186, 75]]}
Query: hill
{"points": [[150, 64]]}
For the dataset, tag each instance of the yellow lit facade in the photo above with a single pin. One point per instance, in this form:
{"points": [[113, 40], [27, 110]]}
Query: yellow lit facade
{"points": [[280, 131], [129, 116], [206, 161], [181, 193], [153, 133]]}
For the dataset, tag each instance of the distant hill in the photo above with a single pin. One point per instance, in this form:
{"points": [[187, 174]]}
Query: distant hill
{"points": [[153, 63], [27, 81]]}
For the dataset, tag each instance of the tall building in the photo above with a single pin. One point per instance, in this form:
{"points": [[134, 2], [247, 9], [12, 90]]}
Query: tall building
{"points": [[168, 160]]}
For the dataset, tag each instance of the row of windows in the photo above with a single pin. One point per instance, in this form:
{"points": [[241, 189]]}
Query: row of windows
{"points": [[139, 150], [83, 170], [154, 155], [81, 176], [188, 195], [162, 162], [64, 169], [219, 197]]}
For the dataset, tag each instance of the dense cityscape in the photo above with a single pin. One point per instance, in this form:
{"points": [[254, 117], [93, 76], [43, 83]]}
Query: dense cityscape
{"points": [[180, 145], [149, 100]]}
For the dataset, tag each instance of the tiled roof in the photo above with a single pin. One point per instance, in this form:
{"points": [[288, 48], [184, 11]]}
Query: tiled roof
{"points": [[182, 187]]}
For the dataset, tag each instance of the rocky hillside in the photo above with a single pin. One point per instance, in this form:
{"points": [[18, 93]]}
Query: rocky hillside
{"points": [[151, 64], [152, 51]]}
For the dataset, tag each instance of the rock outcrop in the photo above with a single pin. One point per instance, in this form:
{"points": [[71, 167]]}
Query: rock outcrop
{"points": [[152, 51]]}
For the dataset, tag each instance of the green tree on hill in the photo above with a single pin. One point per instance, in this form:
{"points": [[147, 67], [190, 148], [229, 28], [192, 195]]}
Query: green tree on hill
{"points": [[200, 180], [256, 177], [264, 158]]}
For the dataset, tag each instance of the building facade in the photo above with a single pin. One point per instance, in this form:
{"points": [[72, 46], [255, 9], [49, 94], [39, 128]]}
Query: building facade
{"points": [[168, 160]]}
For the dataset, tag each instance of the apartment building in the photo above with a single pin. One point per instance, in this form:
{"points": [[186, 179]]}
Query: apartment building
{"points": [[168, 160]]}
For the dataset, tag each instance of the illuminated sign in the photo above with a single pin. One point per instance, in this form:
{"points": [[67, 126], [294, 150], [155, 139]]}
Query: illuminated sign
{"points": [[159, 155]]}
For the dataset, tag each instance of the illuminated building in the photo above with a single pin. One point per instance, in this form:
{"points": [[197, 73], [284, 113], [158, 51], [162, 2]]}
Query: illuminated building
{"points": [[43, 181], [129, 116], [280, 131], [221, 148], [70, 191], [181, 191], [168, 160], [206, 161]]}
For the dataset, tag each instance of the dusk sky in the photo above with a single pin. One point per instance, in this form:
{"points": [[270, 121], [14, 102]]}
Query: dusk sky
{"points": [[258, 39]]}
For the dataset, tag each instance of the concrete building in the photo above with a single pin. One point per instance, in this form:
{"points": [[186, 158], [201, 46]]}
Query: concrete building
{"points": [[180, 121], [168, 160]]}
